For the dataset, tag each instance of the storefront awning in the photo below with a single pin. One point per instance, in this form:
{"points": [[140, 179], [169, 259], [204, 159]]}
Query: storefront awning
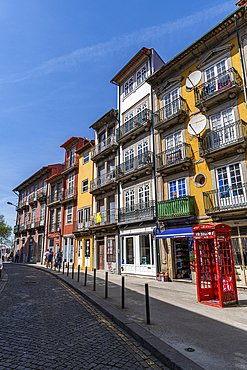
{"points": [[183, 232]]}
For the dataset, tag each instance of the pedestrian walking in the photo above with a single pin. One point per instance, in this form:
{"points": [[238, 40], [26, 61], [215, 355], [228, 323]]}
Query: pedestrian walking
{"points": [[59, 258], [17, 256], [46, 256], [50, 258]]}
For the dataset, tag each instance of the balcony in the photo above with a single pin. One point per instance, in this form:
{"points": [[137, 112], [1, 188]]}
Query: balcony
{"points": [[137, 124], [104, 148], [81, 227], [137, 212], [22, 204], [105, 219], [39, 222], [225, 141], [56, 197], [32, 198], [41, 193], [69, 164], [69, 194], [140, 165], [226, 85], [54, 227], [175, 159], [16, 229], [176, 208], [23, 227], [106, 182], [226, 199], [172, 113]]}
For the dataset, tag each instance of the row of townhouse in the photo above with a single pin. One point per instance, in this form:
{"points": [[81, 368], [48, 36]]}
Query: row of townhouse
{"points": [[171, 156]]}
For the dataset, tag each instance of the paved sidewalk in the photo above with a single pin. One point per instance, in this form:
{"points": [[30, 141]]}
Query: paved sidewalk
{"points": [[217, 336]]}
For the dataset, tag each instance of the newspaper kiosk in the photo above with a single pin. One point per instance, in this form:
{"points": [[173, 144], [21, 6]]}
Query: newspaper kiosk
{"points": [[215, 272]]}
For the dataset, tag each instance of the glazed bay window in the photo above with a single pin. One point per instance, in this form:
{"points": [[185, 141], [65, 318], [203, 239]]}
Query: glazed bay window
{"points": [[84, 186], [69, 214], [141, 75], [177, 188], [146, 250], [128, 86]]}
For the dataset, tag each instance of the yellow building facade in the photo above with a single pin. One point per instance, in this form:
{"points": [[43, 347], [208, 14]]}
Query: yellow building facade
{"points": [[199, 121], [84, 238]]}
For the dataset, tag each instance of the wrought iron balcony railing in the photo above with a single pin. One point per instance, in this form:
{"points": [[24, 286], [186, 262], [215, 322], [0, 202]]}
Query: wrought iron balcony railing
{"points": [[137, 211], [175, 108], [99, 182], [55, 197], [69, 193], [106, 217], [103, 145], [175, 208], [70, 163], [81, 226], [32, 197], [175, 155], [41, 193], [136, 121], [223, 137], [216, 85], [134, 164], [225, 198]]}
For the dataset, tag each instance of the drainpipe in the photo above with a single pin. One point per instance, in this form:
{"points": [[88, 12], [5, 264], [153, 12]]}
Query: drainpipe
{"points": [[158, 266], [241, 60]]}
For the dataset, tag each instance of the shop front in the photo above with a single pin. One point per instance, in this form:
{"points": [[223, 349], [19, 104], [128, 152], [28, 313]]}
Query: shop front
{"points": [[138, 252], [181, 257]]}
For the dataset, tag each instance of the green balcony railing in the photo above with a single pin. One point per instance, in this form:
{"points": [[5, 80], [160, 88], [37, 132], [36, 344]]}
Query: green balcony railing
{"points": [[225, 198], [216, 85], [175, 155], [222, 137], [175, 208], [133, 123], [134, 164], [173, 109], [137, 211]]}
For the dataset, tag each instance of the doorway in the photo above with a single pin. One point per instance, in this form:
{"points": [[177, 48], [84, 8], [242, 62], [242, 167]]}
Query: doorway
{"points": [[101, 247]]}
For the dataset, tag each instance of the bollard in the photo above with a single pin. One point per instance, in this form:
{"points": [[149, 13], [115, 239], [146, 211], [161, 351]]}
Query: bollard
{"points": [[147, 304], [85, 280], [68, 269], [106, 284], [63, 267], [122, 291], [94, 279], [78, 273], [73, 266]]}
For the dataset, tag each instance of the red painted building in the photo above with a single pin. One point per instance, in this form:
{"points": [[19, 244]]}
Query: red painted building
{"points": [[62, 202], [31, 214]]}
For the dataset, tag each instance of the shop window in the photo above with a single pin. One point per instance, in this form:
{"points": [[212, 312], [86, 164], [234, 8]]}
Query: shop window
{"points": [[129, 251], [145, 250]]}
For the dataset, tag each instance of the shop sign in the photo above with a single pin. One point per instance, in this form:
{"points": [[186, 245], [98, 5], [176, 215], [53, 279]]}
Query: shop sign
{"points": [[204, 233]]}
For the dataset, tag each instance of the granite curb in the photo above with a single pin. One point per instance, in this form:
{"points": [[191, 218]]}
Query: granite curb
{"points": [[162, 351]]}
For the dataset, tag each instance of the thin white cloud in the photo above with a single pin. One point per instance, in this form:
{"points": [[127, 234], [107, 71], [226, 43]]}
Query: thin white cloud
{"points": [[122, 42]]}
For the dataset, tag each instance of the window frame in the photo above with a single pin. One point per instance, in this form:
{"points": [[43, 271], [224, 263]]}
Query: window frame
{"points": [[86, 157], [83, 185], [69, 213]]}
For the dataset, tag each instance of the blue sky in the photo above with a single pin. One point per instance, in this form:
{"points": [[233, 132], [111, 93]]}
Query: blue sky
{"points": [[56, 61]]}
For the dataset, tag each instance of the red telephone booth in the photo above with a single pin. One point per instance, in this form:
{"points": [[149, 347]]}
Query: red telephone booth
{"points": [[215, 272]]}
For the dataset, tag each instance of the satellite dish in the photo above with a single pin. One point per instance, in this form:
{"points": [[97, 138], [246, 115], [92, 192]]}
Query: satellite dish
{"points": [[193, 79], [196, 125]]}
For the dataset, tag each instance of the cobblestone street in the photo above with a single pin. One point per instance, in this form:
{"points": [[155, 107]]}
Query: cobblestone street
{"points": [[45, 325]]}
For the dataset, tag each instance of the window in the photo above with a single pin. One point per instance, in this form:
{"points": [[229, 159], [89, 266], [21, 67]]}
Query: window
{"points": [[177, 188], [144, 195], [111, 253], [52, 226], [130, 250], [87, 217], [171, 104], [217, 78], [60, 191], [42, 214], [174, 150], [145, 250], [230, 186], [65, 249], [71, 185], [84, 186], [141, 75], [128, 86], [20, 217], [53, 192], [71, 158], [223, 126], [25, 219], [33, 217], [215, 70], [129, 199], [142, 148], [71, 249], [51, 244], [129, 159], [80, 217], [86, 157], [59, 218], [69, 214], [27, 197], [35, 191]]}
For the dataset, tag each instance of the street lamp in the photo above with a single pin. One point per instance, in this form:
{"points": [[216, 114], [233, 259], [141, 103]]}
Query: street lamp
{"points": [[12, 204]]}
